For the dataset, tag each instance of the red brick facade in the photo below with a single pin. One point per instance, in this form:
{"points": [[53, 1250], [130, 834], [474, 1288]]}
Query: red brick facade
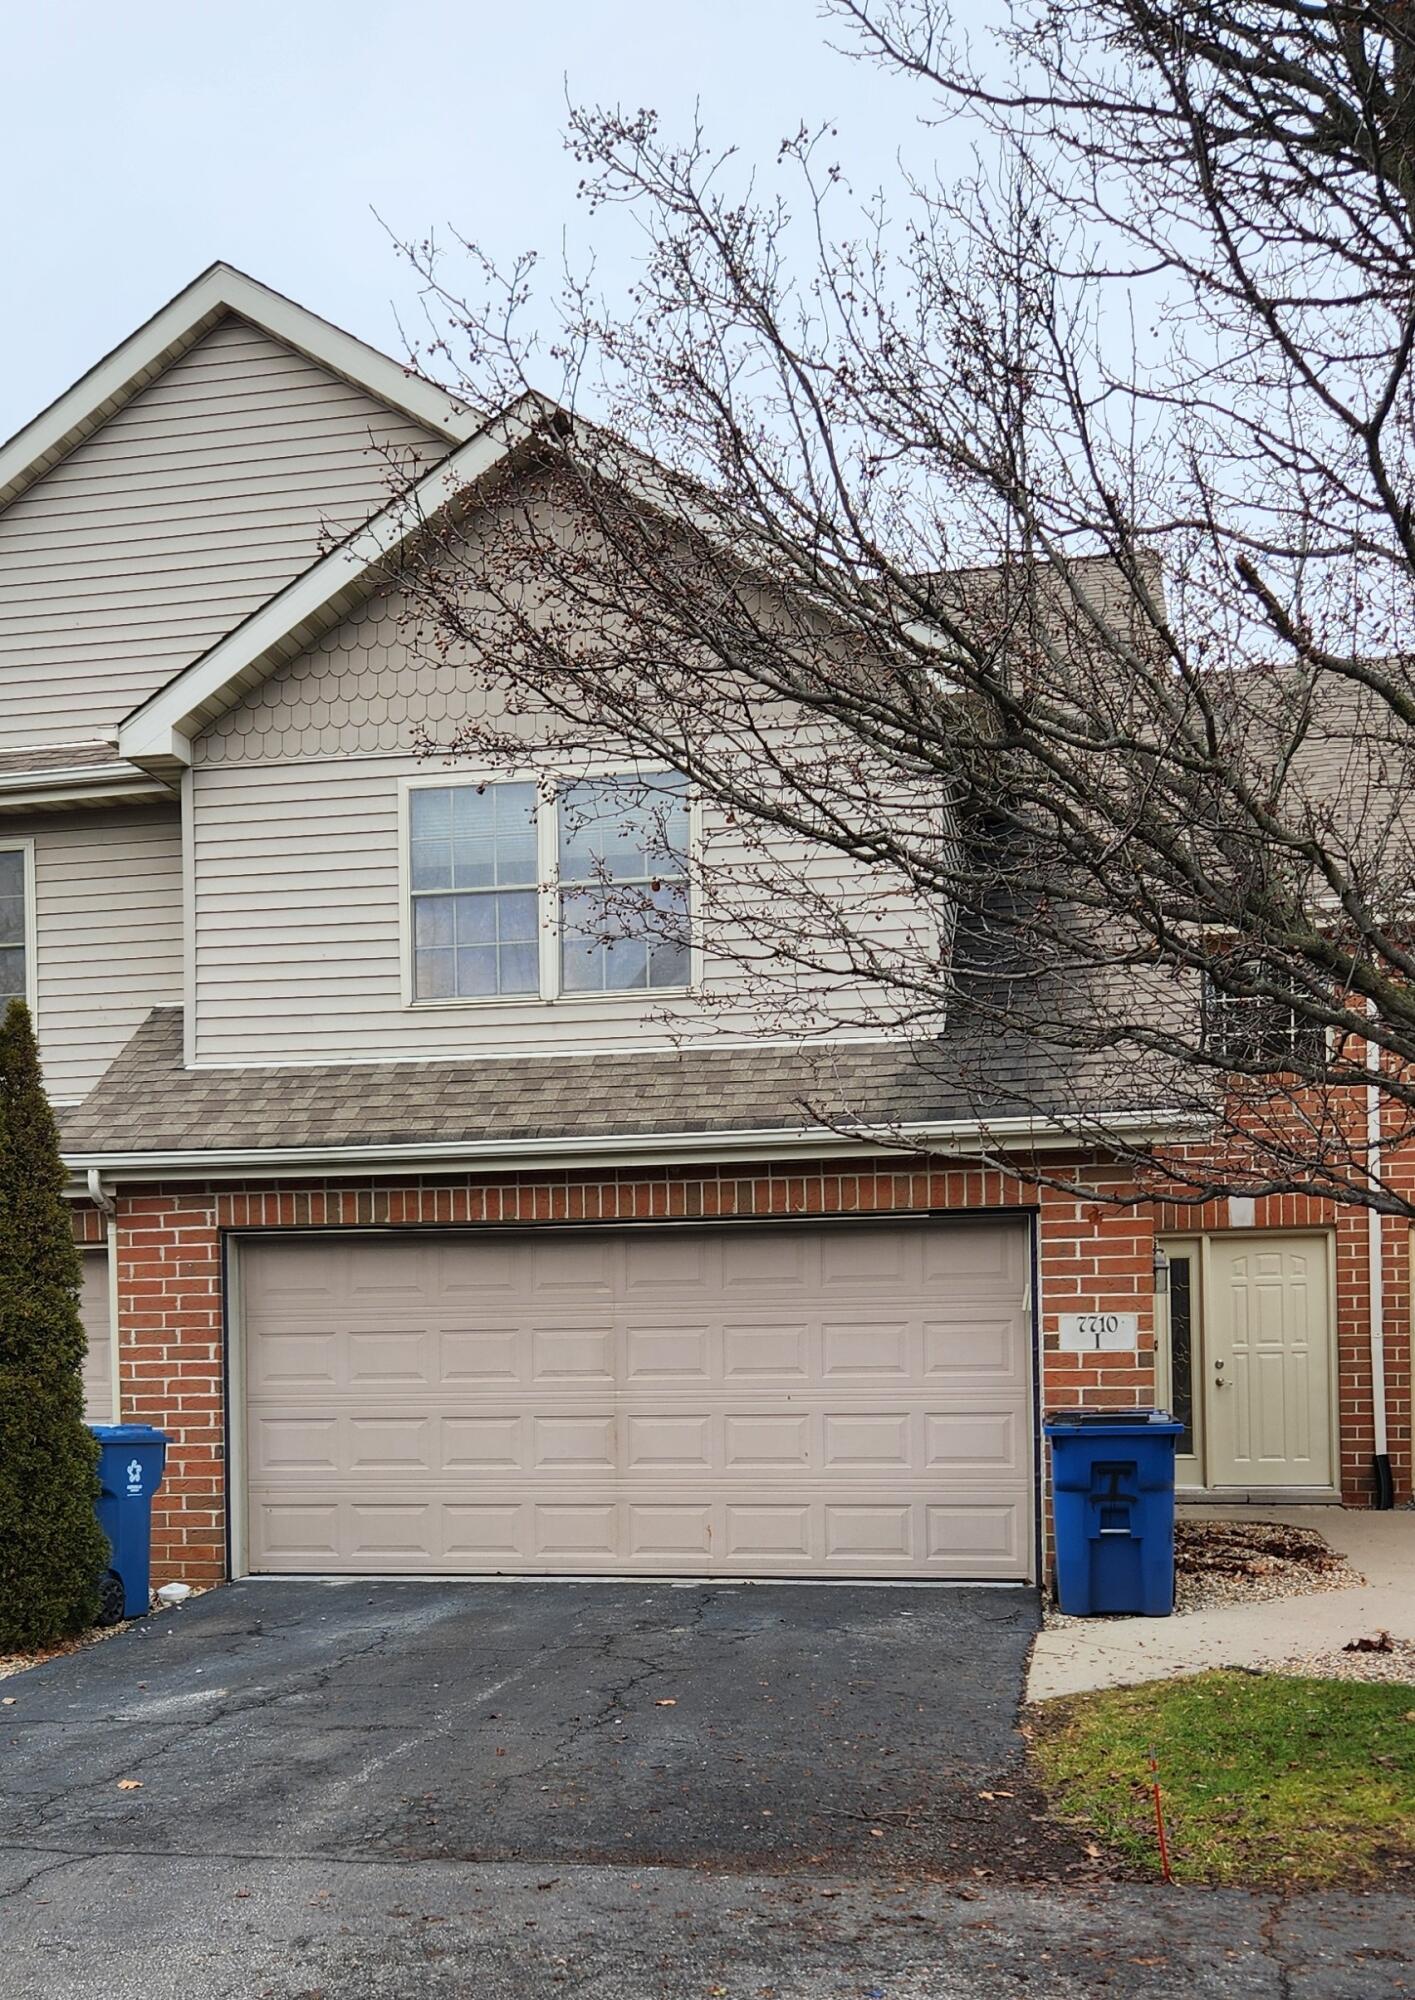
{"points": [[1091, 1255]]}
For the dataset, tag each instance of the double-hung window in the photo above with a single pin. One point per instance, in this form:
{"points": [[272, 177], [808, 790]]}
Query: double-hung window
{"points": [[474, 879], [597, 868], [623, 886], [14, 925]]}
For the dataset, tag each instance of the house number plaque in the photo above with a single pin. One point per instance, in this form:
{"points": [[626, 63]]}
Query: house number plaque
{"points": [[1100, 1333]]}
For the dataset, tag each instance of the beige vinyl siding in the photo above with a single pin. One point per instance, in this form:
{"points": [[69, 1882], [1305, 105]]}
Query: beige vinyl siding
{"points": [[108, 933], [219, 483], [299, 937]]}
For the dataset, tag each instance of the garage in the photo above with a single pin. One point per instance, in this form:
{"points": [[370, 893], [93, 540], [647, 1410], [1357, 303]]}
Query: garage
{"points": [[848, 1401]]}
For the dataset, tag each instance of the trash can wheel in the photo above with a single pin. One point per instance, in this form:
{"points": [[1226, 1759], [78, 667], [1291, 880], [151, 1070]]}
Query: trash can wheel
{"points": [[112, 1599]]}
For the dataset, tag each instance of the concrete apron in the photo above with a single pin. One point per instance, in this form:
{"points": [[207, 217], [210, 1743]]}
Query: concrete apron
{"points": [[1116, 1652]]}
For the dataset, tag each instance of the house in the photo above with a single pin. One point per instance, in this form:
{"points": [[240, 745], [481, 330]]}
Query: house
{"points": [[426, 1243]]}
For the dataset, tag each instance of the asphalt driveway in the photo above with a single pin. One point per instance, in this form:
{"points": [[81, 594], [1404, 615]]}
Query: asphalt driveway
{"points": [[733, 1727], [313, 1792]]}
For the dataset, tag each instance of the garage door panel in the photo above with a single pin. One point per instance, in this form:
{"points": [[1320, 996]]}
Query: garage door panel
{"points": [[571, 1353], [862, 1351], [662, 1269], [392, 1359], [780, 1429], [858, 1440], [301, 1534], [974, 1343], [287, 1362], [762, 1350], [979, 1261], [577, 1530], [763, 1533], [962, 1533], [485, 1534], [393, 1531], [656, 1355], [670, 1439], [294, 1443], [481, 1357], [882, 1533], [483, 1446]]}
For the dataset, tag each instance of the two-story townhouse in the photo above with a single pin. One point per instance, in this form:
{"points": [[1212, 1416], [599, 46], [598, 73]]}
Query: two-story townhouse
{"points": [[430, 1245]]}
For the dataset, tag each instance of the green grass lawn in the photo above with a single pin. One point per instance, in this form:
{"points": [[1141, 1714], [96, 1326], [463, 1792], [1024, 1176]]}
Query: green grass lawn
{"points": [[1266, 1779]]}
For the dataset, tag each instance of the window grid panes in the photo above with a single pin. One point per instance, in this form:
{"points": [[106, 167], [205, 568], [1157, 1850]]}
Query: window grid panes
{"points": [[1260, 1031], [13, 943], [472, 859], [623, 886]]}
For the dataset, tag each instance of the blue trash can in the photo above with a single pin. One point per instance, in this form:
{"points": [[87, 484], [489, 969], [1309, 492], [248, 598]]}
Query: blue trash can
{"points": [[1112, 1482], [131, 1458]]}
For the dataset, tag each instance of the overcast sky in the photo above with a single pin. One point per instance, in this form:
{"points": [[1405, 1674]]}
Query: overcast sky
{"points": [[145, 141]]}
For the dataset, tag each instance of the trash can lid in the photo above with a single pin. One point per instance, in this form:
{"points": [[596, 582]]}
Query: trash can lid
{"points": [[1090, 1418], [128, 1434]]}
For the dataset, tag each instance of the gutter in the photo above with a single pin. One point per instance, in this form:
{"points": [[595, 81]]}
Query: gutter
{"points": [[965, 1137], [117, 780]]}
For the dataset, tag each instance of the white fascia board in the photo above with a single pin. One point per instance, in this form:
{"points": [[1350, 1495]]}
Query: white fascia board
{"points": [[222, 289], [964, 1137], [159, 732]]}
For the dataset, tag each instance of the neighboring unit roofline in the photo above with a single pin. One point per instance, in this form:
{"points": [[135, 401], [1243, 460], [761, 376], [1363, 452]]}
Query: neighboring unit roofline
{"points": [[138, 360], [158, 733], [966, 1137], [89, 784]]}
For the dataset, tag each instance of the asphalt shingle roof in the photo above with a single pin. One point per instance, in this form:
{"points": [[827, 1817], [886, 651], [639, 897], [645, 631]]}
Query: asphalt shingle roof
{"points": [[67, 757], [147, 1102]]}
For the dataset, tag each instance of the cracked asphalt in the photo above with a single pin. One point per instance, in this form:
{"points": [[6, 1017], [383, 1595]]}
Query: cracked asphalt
{"points": [[294, 1791]]}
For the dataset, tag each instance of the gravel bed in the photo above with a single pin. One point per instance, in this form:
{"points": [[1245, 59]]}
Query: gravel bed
{"points": [[1396, 1667], [16, 1663], [1248, 1562]]}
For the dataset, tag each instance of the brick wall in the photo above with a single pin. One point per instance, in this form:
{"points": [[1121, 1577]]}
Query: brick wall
{"points": [[1092, 1255]]}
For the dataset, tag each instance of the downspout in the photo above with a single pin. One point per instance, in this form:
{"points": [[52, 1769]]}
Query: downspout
{"points": [[1385, 1488]]}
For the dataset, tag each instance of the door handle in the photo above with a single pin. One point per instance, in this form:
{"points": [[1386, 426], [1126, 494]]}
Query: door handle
{"points": [[1218, 1375]]}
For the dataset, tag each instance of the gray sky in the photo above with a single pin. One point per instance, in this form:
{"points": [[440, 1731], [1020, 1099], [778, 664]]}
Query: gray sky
{"points": [[143, 141]]}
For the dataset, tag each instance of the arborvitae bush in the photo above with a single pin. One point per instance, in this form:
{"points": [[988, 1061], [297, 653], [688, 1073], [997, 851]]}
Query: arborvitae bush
{"points": [[52, 1551]]}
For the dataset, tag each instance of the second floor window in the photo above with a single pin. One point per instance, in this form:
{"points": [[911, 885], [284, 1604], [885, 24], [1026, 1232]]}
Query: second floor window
{"points": [[14, 968], [623, 887], [476, 921], [1259, 1031], [602, 865]]}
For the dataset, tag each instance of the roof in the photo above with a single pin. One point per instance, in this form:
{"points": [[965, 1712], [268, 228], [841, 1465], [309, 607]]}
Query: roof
{"points": [[149, 1107], [138, 360], [32, 761]]}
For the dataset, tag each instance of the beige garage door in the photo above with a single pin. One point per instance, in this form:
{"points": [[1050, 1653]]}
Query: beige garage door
{"points": [[850, 1402], [95, 1308]]}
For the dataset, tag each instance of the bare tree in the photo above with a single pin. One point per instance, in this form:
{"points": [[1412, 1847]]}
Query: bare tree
{"points": [[1038, 550]]}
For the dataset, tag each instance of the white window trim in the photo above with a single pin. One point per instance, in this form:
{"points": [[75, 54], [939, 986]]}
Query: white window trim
{"points": [[547, 894], [25, 846]]}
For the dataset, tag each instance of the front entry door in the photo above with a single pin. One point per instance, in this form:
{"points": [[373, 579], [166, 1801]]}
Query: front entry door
{"points": [[1267, 1361]]}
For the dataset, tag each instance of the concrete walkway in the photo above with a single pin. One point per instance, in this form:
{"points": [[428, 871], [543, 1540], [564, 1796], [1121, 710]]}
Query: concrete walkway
{"points": [[1114, 1652]]}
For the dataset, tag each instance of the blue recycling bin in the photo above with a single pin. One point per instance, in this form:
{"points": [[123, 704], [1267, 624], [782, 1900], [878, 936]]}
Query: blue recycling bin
{"points": [[1112, 1482], [131, 1458]]}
